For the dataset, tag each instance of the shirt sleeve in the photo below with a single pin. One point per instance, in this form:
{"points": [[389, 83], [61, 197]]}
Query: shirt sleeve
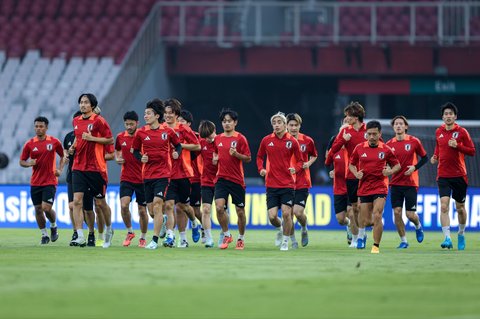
{"points": [[312, 149], [118, 147], [354, 158], [109, 148], [245, 149], [104, 129], [297, 160], [390, 157], [261, 156], [338, 142], [420, 149], [466, 145], [59, 148], [25, 152], [137, 142]]}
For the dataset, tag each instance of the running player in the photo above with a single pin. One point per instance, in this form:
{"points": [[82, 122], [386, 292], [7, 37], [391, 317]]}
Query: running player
{"points": [[231, 151], [404, 184], [371, 163], [303, 181], [452, 144], [284, 159], [131, 179], [39, 153]]}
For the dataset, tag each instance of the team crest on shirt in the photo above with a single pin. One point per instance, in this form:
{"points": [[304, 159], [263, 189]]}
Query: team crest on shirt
{"points": [[288, 144], [49, 147], [233, 144], [455, 135], [408, 147], [90, 127], [164, 136], [303, 148], [381, 155]]}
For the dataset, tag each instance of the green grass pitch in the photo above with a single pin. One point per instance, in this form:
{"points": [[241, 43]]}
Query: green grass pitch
{"points": [[324, 280]]}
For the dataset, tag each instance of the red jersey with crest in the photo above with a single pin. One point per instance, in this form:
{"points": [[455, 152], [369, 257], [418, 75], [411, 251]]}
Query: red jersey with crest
{"points": [[230, 168], [182, 167], [90, 156], [356, 138], [43, 151], [156, 144], [282, 153], [208, 170], [372, 160], [196, 165], [451, 161], [131, 168], [339, 169], [307, 149], [406, 152]]}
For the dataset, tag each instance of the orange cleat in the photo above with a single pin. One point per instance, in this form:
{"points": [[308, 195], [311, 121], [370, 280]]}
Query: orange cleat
{"points": [[142, 243], [240, 244], [226, 240], [128, 239]]}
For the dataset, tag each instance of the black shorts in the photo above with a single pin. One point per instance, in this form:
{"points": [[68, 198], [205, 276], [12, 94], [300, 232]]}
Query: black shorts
{"points": [[223, 188], [155, 188], [352, 188], [41, 194], [399, 194], [371, 198], [195, 195], [127, 189], [208, 193], [179, 190], [301, 196], [340, 203], [453, 186], [276, 197], [87, 197], [92, 182]]}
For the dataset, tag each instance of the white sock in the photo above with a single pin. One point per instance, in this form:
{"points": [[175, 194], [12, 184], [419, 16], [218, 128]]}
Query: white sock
{"points": [[241, 237], [227, 233], [403, 239], [169, 233], [446, 231], [130, 229], [44, 232], [285, 238], [354, 238], [101, 236], [293, 239], [80, 233], [461, 229], [143, 235], [53, 225], [108, 228], [348, 221], [208, 233], [361, 233], [183, 236]]}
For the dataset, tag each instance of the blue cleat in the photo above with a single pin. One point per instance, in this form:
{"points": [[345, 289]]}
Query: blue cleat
{"points": [[403, 245], [196, 233], [361, 243], [169, 242], [461, 242], [419, 234], [447, 243]]}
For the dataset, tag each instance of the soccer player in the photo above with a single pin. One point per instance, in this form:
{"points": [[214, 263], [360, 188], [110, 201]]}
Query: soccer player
{"points": [[404, 183], [179, 188], [39, 153], [342, 207], [231, 151], [303, 181], [207, 133], [131, 179], [284, 159], [371, 163], [186, 118], [452, 144], [349, 138], [92, 133], [151, 145]]}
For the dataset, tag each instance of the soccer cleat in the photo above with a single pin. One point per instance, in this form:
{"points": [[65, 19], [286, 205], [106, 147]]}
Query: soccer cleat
{"points": [[108, 238], [169, 242], [74, 236], [128, 239], [240, 244], [447, 243], [142, 243], [360, 243], [220, 238], [209, 243], [349, 235], [196, 233], [419, 234], [204, 237], [304, 238], [163, 230], [226, 240], [403, 245], [183, 244], [79, 242], [461, 242], [45, 240], [375, 250], [278, 238], [99, 243], [91, 240], [294, 244], [151, 245], [284, 245], [54, 234], [353, 244]]}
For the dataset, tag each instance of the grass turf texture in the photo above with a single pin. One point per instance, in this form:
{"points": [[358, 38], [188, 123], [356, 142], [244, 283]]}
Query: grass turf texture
{"points": [[324, 280]]}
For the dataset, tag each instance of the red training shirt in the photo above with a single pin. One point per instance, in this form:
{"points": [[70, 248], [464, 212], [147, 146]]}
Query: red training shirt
{"points": [[307, 149], [182, 167], [339, 169], [208, 170], [131, 168], [230, 168]]}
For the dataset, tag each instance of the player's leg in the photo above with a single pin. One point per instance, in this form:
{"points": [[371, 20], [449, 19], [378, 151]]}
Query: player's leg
{"points": [[47, 202], [80, 186], [207, 194], [397, 197], [378, 206], [36, 196], [300, 201], [287, 224], [366, 208], [221, 198], [459, 194], [142, 214], [238, 199], [340, 204]]}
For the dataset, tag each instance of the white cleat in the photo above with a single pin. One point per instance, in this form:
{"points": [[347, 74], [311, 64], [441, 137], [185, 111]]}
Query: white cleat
{"points": [[183, 244], [353, 244], [152, 245], [278, 239], [284, 246], [108, 239]]}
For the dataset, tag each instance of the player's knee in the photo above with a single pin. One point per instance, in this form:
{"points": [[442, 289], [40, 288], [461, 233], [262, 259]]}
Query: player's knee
{"points": [[444, 208], [411, 215]]}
